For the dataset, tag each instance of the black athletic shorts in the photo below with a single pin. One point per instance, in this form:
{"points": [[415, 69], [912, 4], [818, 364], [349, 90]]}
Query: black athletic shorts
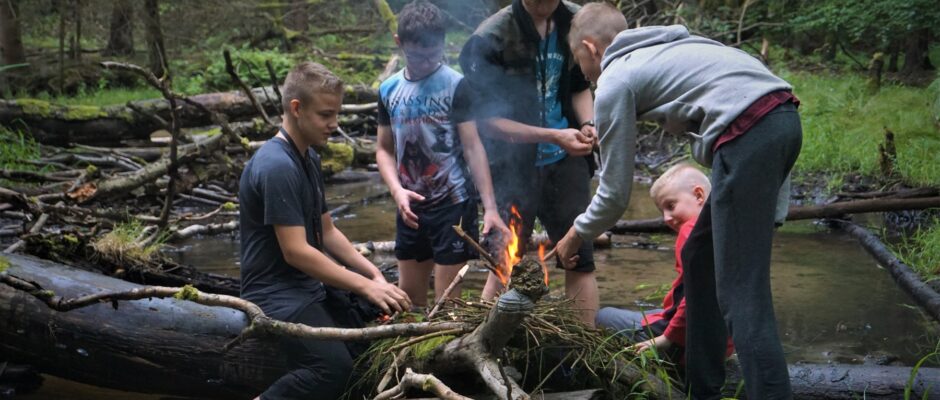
{"points": [[435, 238]]}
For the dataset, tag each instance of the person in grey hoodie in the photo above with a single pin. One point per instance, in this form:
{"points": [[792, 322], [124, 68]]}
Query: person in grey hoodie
{"points": [[744, 125]]}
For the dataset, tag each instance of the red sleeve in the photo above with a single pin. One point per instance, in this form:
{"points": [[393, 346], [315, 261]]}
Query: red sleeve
{"points": [[675, 332]]}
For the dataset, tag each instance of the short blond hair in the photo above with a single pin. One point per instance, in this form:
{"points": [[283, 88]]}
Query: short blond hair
{"points": [[599, 21], [682, 176], [306, 79]]}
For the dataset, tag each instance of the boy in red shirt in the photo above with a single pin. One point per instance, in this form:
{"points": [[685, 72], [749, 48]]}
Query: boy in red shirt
{"points": [[680, 194]]}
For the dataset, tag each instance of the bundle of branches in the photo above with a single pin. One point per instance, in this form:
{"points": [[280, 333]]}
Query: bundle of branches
{"points": [[551, 350]]}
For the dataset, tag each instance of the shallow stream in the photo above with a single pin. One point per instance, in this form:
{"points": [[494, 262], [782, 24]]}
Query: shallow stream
{"points": [[833, 302]]}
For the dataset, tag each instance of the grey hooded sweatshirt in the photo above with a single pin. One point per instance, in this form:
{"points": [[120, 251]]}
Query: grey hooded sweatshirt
{"points": [[688, 84]]}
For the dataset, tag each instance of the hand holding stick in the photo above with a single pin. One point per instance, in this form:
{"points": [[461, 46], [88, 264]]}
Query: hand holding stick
{"points": [[492, 264]]}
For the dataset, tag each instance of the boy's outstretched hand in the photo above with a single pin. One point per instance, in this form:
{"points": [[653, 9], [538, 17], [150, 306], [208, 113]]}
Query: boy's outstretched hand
{"points": [[386, 296], [659, 343], [567, 249], [491, 220], [403, 198]]}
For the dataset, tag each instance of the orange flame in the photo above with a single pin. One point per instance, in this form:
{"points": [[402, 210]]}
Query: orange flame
{"points": [[542, 261], [512, 256]]}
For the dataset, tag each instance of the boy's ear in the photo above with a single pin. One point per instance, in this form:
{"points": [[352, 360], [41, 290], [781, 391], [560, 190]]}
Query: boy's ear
{"points": [[591, 47], [699, 193], [295, 108]]}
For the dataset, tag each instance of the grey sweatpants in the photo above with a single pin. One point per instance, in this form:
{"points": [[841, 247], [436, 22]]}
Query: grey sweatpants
{"points": [[727, 259]]}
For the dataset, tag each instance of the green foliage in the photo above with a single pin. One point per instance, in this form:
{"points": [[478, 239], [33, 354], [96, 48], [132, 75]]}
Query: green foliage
{"points": [[187, 292], [122, 244], [921, 251], [4, 264], [15, 148], [843, 125], [250, 66], [874, 22]]}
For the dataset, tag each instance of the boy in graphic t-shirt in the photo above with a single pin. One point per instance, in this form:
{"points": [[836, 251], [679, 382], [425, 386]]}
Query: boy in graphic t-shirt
{"points": [[427, 139]]}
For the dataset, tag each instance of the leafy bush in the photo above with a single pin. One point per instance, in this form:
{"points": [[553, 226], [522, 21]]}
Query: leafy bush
{"points": [[250, 66]]}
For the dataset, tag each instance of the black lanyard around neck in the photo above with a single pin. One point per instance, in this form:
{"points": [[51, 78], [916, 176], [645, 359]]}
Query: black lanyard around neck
{"points": [[541, 60], [314, 180]]}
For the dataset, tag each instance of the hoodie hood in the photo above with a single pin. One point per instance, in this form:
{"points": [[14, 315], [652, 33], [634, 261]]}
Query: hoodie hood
{"points": [[632, 39]]}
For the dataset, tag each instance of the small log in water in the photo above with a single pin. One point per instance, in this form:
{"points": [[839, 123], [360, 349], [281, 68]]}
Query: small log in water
{"points": [[906, 278]]}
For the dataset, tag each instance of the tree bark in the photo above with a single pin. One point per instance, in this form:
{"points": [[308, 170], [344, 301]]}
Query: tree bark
{"points": [[121, 36], [11, 40], [916, 58], [158, 60], [75, 51]]}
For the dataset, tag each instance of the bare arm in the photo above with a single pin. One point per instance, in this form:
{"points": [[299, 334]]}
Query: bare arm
{"points": [[475, 156], [343, 251], [301, 255], [516, 132], [386, 160], [583, 104]]}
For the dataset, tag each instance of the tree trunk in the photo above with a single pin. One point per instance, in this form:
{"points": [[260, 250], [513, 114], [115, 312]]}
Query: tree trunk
{"points": [[893, 50], [297, 16], [110, 125], [75, 51], [11, 41], [158, 60], [121, 37], [916, 58]]}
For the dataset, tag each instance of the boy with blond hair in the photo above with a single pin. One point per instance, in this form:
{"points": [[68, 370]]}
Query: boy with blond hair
{"points": [[427, 141], [745, 126], [287, 232], [680, 194]]}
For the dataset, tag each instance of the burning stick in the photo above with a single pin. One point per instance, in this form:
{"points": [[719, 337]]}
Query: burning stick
{"points": [[493, 266], [550, 254], [450, 288]]}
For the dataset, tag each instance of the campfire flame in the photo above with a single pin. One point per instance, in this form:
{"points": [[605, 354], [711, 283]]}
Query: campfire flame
{"points": [[511, 255], [513, 252], [542, 261]]}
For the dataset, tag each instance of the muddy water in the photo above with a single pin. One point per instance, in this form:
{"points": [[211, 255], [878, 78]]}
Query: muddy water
{"points": [[833, 302]]}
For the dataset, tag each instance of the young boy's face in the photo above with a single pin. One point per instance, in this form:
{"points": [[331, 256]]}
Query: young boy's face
{"points": [[422, 60], [680, 205], [317, 119]]}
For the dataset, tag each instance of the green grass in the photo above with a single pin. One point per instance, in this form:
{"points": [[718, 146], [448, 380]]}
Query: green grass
{"points": [[921, 251], [15, 147], [843, 124], [104, 97]]}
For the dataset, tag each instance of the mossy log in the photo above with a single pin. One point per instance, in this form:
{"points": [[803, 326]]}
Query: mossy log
{"points": [[175, 347], [60, 125]]}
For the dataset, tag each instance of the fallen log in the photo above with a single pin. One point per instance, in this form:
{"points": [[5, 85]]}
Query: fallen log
{"points": [[175, 347], [907, 279], [833, 210], [60, 124], [152, 345]]}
